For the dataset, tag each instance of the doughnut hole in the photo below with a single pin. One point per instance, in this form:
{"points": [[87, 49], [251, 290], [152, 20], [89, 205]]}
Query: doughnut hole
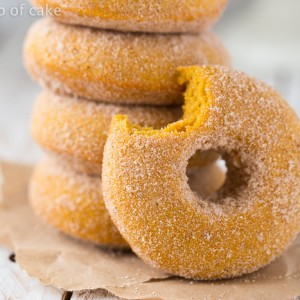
{"points": [[222, 179], [237, 176], [203, 158], [205, 181]]}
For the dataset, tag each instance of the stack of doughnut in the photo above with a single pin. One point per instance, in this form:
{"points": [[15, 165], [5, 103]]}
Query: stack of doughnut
{"points": [[126, 167], [97, 59]]}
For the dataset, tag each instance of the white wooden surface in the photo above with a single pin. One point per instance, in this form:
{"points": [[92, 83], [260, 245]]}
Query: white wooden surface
{"points": [[15, 284]]}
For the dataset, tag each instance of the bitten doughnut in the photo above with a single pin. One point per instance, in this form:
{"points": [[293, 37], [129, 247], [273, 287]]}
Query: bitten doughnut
{"points": [[115, 67], [73, 203], [129, 15], [76, 130], [250, 220]]}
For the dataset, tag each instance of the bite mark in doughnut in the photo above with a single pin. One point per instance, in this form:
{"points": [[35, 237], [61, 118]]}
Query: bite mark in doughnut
{"points": [[76, 130], [253, 217], [115, 67], [146, 16]]}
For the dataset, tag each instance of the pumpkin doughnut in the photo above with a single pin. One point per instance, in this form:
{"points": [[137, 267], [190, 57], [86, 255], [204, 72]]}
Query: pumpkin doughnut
{"points": [[115, 67], [73, 203], [76, 129], [250, 220], [129, 15]]}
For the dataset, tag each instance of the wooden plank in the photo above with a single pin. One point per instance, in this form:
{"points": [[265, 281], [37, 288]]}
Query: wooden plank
{"points": [[16, 284]]}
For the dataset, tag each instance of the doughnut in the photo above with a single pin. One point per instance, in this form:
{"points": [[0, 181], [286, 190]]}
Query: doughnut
{"points": [[127, 68], [250, 220], [76, 130], [147, 16], [73, 202]]}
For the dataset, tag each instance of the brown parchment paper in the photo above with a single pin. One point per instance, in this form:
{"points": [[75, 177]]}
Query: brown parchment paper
{"points": [[65, 263]]}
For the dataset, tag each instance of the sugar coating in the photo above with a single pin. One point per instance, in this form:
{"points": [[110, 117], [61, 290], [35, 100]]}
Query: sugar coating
{"points": [[145, 16], [115, 67], [73, 202], [250, 220], [77, 129]]}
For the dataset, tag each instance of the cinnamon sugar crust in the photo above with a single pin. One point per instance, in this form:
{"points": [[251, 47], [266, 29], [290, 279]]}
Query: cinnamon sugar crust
{"points": [[76, 129], [73, 203], [251, 219], [115, 67], [146, 16]]}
